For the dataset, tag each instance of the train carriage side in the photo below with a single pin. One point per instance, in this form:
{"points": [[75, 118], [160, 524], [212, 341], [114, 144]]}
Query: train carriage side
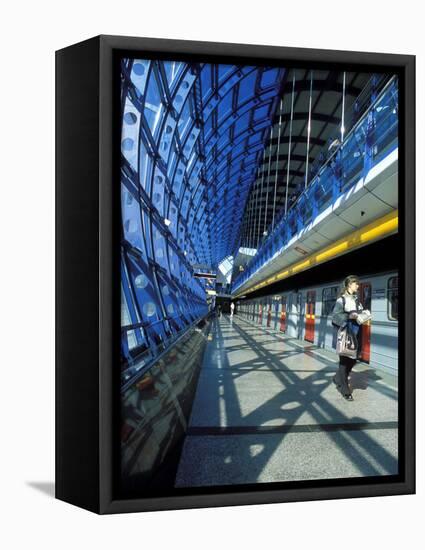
{"points": [[384, 325], [319, 304], [264, 302], [326, 333], [307, 314], [379, 294], [291, 315], [283, 306], [275, 312]]}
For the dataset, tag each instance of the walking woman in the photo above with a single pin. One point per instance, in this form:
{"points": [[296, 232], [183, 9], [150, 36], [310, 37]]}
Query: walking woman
{"points": [[347, 309]]}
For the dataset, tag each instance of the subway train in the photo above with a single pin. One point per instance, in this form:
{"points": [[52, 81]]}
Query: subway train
{"points": [[306, 314]]}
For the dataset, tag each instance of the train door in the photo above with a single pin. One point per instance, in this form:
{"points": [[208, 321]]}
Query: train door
{"points": [[310, 308], [265, 311], [283, 315], [300, 311], [276, 312], [269, 312], [365, 294]]}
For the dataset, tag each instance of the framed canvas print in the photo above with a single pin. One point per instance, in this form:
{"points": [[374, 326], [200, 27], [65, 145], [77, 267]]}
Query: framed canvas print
{"points": [[235, 274]]}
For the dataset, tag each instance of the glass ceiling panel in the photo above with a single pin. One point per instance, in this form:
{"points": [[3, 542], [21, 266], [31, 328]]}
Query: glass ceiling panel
{"points": [[153, 105], [247, 86], [206, 145], [171, 70]]}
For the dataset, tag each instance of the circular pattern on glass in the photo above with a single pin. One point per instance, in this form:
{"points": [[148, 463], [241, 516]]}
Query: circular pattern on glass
{"points": [[159, 253], [149, 309], [127, 144], [139, 69], [141, 281], [165, 290], [130, 118], [179, 98], [170, 309], [157, 197], [158, 179], [168, 129]]}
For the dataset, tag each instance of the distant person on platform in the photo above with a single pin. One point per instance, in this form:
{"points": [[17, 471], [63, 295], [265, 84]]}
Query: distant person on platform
{"points": [[219, 310], [232, 309]]}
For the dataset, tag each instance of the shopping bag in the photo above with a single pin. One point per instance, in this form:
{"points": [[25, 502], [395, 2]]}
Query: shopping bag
{"points": [[346, 342]]}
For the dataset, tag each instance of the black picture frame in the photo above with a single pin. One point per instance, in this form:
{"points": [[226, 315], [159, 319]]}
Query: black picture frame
{"points": [[87, 240]]}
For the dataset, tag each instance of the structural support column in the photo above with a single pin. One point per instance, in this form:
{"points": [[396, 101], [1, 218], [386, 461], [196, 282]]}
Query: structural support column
{"points": [[261, 193], [308, 130], [290, 144], [277, 163], [268, 181], [343, 109]]}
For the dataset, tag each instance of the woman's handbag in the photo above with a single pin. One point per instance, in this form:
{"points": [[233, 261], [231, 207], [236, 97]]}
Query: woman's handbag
{"points": [[346, 342]]}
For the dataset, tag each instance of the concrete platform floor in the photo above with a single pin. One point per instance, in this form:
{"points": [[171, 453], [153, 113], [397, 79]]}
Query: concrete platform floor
{"points": [[266, 410]]}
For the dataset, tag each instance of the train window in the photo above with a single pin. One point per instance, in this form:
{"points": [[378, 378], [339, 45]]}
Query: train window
{"points": [[392, 298], [329, 296], [365, 295]]}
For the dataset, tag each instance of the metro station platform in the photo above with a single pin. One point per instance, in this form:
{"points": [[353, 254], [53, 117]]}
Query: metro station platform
{"points": [[266, 410]]}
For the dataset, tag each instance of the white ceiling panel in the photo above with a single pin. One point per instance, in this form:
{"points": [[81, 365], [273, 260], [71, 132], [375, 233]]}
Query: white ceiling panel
{"points": [[388, 190], [365, 210], [335, 228]]}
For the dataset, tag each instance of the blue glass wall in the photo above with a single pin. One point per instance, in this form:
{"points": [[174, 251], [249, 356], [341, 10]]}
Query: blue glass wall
{"points": [[191, 140]]}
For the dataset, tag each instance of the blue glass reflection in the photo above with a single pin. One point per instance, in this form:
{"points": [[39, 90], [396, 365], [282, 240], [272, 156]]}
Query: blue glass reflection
{"points": [[192, 136]]}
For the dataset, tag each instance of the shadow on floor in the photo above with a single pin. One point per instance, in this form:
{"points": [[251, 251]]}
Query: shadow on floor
{"points": [[46, 487]]}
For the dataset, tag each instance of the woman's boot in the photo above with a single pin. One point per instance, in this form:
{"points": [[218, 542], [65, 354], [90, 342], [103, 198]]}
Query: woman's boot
{"points": [[342, 379], [350, 368]]}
